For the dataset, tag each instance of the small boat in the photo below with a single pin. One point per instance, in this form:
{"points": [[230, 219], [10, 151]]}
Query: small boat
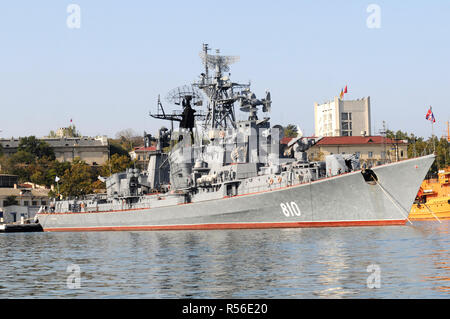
{"points": [[20, 228], [433, 199]]}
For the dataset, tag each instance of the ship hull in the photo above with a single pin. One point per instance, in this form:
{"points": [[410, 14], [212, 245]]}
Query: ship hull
{"points": [[344, 200]]}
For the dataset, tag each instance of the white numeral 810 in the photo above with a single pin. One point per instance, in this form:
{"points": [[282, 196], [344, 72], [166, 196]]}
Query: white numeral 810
{"points": [[290, 209]]}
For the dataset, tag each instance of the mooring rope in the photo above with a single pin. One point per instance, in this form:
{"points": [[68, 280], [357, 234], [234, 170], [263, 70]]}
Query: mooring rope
{"points": [[392, 200], [432, 213]]}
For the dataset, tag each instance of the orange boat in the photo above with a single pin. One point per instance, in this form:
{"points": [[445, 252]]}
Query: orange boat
{"points": [[433, 200]]}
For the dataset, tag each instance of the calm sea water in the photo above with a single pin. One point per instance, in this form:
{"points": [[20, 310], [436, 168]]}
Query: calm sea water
{"points": [[406, 262]]}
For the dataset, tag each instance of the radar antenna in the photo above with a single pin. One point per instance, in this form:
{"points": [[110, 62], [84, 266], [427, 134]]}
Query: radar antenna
{"points": [[177, 95], [221, 63], [219, 90]]}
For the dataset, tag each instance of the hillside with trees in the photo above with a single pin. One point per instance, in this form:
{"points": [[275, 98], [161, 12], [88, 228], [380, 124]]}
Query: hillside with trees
{"points": [[35, 162]]}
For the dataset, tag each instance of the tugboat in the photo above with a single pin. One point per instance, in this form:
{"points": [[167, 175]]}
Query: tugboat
{"points": [[433, 199], [217, 172]]}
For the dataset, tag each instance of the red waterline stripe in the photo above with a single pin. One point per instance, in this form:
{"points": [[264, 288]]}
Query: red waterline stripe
{"points": [[235, 226]]}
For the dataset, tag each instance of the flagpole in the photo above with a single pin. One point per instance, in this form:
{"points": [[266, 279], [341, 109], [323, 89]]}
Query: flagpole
{"points": [[431, 118], [432, 133], [432, 136]]}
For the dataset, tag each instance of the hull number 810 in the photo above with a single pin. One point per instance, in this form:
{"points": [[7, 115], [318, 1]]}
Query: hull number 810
{"points": [[290, 209]]}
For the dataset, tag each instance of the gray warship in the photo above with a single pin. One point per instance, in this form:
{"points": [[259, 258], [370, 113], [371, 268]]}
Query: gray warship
{"points": [[218, 172]]}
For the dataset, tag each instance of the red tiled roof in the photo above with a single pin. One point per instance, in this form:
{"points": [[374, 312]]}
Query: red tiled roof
{"points": [[356, 140], [286, 140], [145, 149]]}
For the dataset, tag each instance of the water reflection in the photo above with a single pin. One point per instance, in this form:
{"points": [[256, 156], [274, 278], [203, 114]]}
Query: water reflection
{"points": [[279, 263]]}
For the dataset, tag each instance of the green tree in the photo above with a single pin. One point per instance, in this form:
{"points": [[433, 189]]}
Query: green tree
{"points": [[36, 147], [77, 180], [18, 164], [418, 146], [399, 135], [22, 157], [442, 153], [43, 171], [290, 130], [116, 164], [116, 148], [55, 168]]}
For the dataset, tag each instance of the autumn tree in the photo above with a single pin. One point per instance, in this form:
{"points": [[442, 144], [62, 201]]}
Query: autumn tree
{"points": [[116, 148], [116, 164], [77, 180], [44, 171], [18, 164]]}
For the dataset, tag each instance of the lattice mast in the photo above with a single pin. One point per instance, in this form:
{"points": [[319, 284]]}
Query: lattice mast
{"points": [[220, 94], [219, 90]]}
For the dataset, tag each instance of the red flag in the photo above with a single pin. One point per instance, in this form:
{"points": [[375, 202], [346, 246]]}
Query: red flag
{"points": [[345, 90]]}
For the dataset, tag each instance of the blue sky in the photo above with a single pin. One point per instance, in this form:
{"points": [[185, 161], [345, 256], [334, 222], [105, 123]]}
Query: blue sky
{"points": [[107, 74]]}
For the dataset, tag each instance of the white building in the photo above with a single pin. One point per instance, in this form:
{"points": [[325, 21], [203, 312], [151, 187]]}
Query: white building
{"points": [[342, 118]]}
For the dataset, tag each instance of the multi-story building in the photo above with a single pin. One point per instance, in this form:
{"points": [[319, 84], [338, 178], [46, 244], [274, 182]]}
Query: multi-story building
{"points": [[94, 151], [372, 150], [342, 118], [142, 155], [28, 198]]}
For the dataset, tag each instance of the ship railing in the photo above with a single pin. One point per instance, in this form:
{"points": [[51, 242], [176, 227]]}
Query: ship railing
{"points": [[115, 207], [267, 187], [276, 185]]}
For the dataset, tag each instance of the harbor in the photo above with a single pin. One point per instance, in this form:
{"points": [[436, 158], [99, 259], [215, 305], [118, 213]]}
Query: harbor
{"points": [[319, 263], [228, 159]]}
